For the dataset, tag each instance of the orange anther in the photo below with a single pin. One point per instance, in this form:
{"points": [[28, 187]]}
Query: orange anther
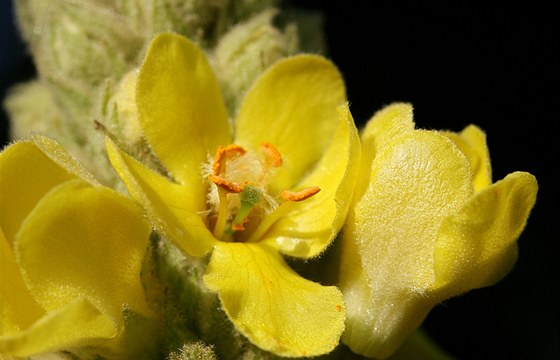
{"points": [[218, 166], [223, 153], [234, 150], [300, 195], [271, 154], [226, 184]]}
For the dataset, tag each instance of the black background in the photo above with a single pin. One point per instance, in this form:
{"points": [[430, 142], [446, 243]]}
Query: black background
{"points": [[491, 65]]}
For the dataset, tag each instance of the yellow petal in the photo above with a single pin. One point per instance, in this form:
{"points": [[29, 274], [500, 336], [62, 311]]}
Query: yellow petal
{"points": [[312, 224], [292, 106], [417, 179], [18, 309], [81, 241], [387, 123], [173, 209], [77, 324], [477, 246], [26, 174], [391, 121], [273, 306], [62, 158], [180, 107], [472, 141]]}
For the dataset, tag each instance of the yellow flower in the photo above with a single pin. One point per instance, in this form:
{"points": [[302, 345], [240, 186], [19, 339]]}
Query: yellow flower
{"points": [[278, 181], [71, 252], [427, 223]]}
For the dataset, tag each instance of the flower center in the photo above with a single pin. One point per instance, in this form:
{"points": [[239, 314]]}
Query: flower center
{"points": [[240, 206]]}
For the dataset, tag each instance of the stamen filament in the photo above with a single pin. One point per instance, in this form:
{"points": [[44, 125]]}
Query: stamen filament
{"points": [[222, 214]]}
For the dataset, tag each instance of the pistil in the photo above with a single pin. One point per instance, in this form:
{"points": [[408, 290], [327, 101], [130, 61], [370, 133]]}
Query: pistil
{"points": [[250, 197]]}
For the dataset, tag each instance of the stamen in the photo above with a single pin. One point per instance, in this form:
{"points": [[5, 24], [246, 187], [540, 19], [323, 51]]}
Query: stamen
{"points": [[233, 150], [225, 184], [300, 195], [271, 155], [222, 214], [225, 153], [235, 171], [219, 165]]}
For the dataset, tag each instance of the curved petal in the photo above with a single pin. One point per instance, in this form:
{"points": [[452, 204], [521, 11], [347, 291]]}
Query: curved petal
{"points": [[173, 209], [477, 246], [385, 124], [379, 316], [295, 97], [312, 224], [26, 174], [273, 306], [77, 324], [62, 158], [81, 241], [18, 309], [180, 107], [417, 179], [472, 141]]}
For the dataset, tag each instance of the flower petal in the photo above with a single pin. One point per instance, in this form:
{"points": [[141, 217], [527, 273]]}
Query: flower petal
{"points": [[58, 154], [313, 223], [477, 246], [173, 209], [180, 107], [273, 306], [417, 179], [26, 174], [391, 121], [77, 324], [294, 97], [387, 123], [81, 241], [472, 141], [18, 309]]}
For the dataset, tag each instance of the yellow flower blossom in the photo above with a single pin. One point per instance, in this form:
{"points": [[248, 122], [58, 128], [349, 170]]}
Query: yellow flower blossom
{"points": [[71, 252], [277, 181], [426, 224]]}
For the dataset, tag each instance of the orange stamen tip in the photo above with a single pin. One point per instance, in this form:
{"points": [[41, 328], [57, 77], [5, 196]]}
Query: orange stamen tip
{"points": [[226, 184], [218, 164], [300, 195], [271, 154], [229, 152], [234, 150]]}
